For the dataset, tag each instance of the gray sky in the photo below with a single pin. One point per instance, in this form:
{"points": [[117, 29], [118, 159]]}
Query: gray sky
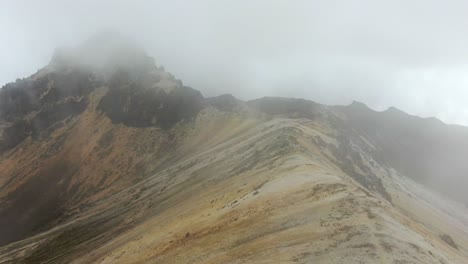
{"points": [[409, 54]]}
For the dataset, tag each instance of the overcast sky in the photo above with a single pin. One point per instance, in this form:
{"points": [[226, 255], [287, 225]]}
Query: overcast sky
{"points": [[409, 54]]}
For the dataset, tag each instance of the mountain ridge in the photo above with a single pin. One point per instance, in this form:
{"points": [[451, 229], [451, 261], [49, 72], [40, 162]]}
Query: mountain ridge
{"points": [[130, 165]]}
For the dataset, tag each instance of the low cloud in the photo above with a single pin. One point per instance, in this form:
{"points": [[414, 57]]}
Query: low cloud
{"points": [[407, 54]]}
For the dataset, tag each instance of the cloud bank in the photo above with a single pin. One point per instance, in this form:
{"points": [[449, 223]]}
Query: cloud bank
{"points": [[409, 54]]}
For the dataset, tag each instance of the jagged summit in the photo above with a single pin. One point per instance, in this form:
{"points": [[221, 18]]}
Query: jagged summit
{"points": [[132, 90]]}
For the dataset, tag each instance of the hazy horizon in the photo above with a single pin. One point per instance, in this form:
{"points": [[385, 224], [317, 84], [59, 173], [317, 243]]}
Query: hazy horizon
{"points": [[410, 55]]}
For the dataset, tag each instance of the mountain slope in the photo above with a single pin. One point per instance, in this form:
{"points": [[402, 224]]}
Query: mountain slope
{"points": [[70, 136], [425, 149], [110, 159]]}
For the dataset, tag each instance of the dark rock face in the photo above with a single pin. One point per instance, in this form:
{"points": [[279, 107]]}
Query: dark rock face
{"points": [[34, 106], [25, 96], [45, 121], [42, 124], [15, 134], [19, 98], [64, 84], [131, 102]]}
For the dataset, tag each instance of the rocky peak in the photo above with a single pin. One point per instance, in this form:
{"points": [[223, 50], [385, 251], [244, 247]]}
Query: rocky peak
{"points": [[138, 93]]}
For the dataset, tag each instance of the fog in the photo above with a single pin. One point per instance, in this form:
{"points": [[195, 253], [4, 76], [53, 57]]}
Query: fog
{"points": [[409, 54]]}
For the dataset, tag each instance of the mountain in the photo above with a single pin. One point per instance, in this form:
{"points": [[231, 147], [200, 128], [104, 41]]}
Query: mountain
{"points": [[107, 158]]}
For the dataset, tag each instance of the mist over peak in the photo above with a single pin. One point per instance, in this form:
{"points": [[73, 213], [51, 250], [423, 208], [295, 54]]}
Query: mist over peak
{"points": [[106, 51], [106, 157]]}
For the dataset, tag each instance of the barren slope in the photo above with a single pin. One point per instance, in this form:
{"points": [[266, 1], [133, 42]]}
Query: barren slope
{"points": [[269, 193], [125, 164]]}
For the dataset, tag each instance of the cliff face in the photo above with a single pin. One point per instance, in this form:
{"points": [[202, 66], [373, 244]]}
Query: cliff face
{"points": [[107, 158]]}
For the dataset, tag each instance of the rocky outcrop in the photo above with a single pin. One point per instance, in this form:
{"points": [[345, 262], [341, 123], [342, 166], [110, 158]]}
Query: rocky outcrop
{"points": [[35, 105], [133, 102]]}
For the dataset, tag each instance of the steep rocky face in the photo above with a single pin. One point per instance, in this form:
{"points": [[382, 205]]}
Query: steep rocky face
{"points": [[30, 107], [137, 102]]}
